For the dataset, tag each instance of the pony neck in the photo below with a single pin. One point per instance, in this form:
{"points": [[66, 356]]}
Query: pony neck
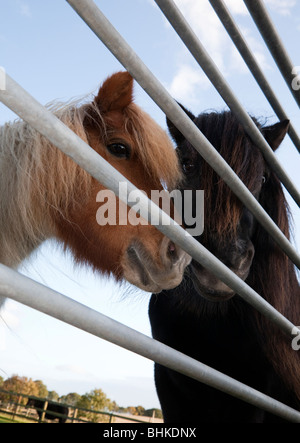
{"points": [[37, 182]]}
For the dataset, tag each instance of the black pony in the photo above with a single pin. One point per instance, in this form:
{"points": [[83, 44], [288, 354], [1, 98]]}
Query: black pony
{"points": [[203, 317], [54, 410]]}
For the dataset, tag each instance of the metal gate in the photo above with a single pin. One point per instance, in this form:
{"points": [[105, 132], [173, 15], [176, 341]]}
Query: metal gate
{"points": [[24, 290]]}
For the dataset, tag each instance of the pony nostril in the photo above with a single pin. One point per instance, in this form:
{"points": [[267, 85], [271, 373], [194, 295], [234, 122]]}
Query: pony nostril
{"points": [[171, 248], [172, 251], [250, 253], [246, 261]]}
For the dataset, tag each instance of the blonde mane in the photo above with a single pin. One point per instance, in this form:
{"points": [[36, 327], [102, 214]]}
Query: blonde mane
{"points": [[37, 179]]}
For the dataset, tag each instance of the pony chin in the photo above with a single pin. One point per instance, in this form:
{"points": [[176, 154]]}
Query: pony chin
{"points": [[210, 287]]}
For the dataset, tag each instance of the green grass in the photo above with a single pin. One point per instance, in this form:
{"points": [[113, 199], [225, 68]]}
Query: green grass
{"points": [[8, 419]]}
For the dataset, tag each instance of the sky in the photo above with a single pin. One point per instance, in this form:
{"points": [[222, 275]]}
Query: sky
{"points": [[50, 51]]}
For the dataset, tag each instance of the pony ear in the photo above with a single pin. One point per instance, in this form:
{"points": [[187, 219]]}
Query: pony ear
{"points": [[175, 133], [116, 93], [275, 134]]}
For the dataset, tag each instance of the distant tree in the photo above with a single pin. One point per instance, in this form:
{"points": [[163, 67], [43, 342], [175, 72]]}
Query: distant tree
{"points": [[20, 385], [157, 413], [114, 407], [71, 399], [52, 395], [95, 400], [132, 410], [42, 389], [140, 410]]}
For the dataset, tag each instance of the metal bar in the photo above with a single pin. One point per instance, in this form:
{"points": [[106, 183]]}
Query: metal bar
{"points": [[236, 36], [19, 101], [39, 297], [99, 24], [266, 27], [191, 41]]}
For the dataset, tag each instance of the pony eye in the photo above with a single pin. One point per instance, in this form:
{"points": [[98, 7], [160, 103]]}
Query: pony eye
{"points": [[188, 166], [119, 150], [263, 179]]}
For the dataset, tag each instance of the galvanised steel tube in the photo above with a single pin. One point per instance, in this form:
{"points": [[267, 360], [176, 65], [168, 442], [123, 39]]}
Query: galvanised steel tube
{"points": [[266, 27], [236, 36], [19, 101], [191, 41], [26, 291], [99, 24]]}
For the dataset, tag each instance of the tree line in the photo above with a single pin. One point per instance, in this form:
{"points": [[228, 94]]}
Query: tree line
{"points": [[95, 400]]}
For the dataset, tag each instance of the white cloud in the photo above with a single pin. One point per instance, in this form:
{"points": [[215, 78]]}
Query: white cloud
{"points": [[74, 369], [8, 321], [2, 337], [186, 81], [282, 7], [24, 9], [257, 48], [9, 314], [205, 23], [237, 7]]}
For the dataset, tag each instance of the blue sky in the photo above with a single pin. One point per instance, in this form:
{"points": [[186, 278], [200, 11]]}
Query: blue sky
{"points": [[46, 47]]}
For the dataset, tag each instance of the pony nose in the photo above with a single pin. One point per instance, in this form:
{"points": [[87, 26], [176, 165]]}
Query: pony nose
{"points": [[244, 262], [170, 253]]}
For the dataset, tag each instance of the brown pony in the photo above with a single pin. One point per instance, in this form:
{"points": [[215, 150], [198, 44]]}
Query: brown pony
{"points": [[45, 194], [203, 317]]}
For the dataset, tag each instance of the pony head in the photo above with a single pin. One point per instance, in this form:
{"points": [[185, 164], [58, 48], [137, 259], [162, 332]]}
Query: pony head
{"points": [[139, 149], [230, 230]]}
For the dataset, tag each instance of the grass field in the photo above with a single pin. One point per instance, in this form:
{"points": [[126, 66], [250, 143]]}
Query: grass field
{"points": [[7, 419]]}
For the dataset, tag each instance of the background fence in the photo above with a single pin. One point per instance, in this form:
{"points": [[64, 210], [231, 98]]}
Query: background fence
{"points": [[34, 295], [13, 407]]}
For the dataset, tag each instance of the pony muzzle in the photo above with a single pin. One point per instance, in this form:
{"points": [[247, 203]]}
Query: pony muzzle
{"points": [[210, 287], [145, 271]]}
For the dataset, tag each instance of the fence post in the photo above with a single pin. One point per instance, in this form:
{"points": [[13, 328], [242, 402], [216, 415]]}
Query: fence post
{"points": [[74, 415], [16, 408], [42, 418]]}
